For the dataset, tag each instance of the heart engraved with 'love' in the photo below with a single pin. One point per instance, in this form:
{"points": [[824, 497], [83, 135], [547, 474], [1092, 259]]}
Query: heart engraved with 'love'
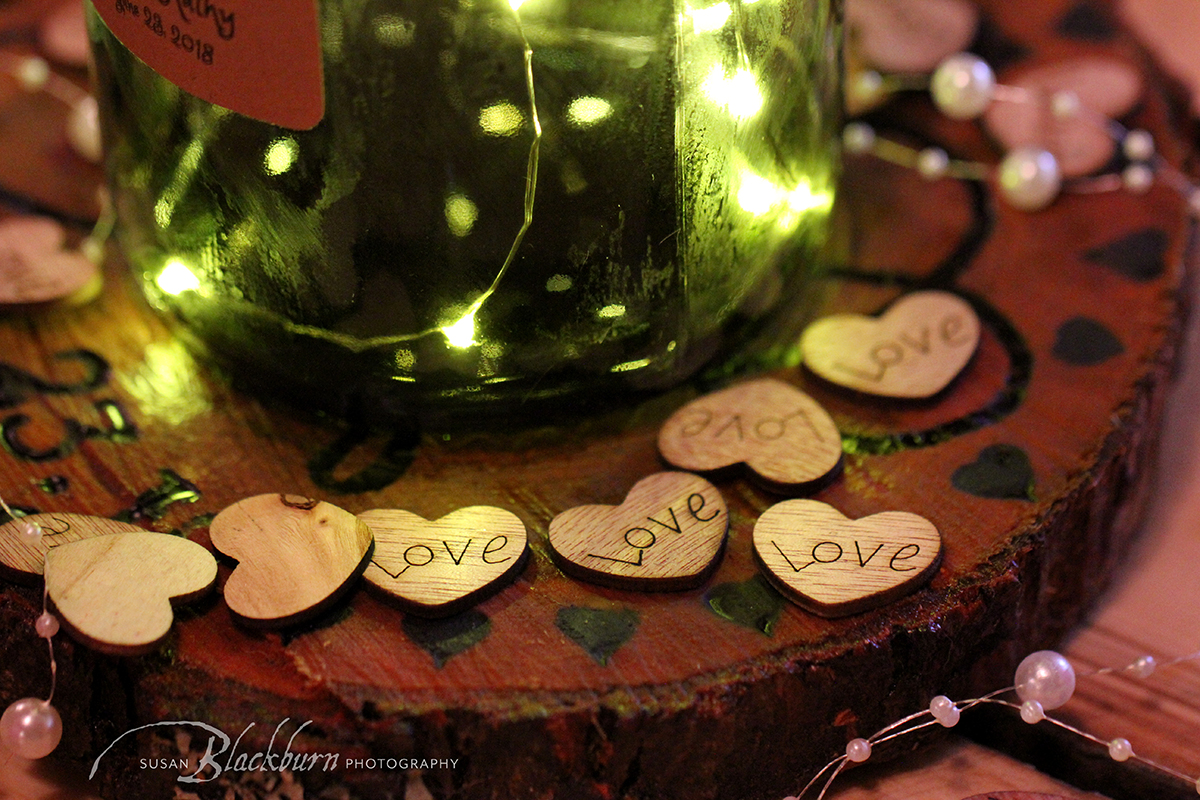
{"points": [[666, 535], [781, 434], [436, 568], [920, 344], [835, 566]]}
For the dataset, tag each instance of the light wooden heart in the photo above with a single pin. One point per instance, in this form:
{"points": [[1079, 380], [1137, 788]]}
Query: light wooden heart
{"points": [[666, 535], [920, 344], [114, 592], [34, 264], [22, 560], [295, 556], [436, 568], [781, 434], [834, 566]]}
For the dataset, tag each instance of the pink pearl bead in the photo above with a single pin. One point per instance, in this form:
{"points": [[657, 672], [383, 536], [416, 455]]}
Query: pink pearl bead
{"points": [[31, 728], [944, 711], [858, 750], [1144, 666], [46, 625], [1047, 677], [30, 533], [1032, 712], [1120, 749]]}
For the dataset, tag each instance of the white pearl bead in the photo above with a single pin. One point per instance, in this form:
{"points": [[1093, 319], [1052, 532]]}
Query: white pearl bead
{"points": [[867, 86], [1065, 104], [944, 711], [858, 750], [1194, 202], [1120, 749], [33, 73], [1047, 677], [932, 163], [83, 129], [1138, 145], [31, 728], [1144, 667], [858, 137], [1032, 712], [962, 86], [30, 533], [1029, 178], [46, 625], [1137, 178]]}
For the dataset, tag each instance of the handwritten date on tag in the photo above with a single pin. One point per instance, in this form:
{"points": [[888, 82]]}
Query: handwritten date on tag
{"points": [[259, 59], [913, 351], [781, 434], [834, 566], [437, 568], [667, 535]]}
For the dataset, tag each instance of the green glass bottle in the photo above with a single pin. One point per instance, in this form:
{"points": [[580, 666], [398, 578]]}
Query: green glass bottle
{"points": [[502, 201]]}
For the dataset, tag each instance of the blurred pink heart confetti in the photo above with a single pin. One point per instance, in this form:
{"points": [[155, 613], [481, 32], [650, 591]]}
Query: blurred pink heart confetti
{"points": [[34, 266]]}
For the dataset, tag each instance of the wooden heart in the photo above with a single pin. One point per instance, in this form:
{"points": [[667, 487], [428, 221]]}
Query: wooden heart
{"points": [[114, 592], [920, 344], [834, 566], [781, 434], [295, 556], [22, 560], [436, 568], [666, 535], [34, 264]]}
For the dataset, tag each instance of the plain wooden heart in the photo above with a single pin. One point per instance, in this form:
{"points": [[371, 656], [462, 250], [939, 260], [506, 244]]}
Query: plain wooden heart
{"points": [[35, 265], [295, 556], [666, 535], [114, 592], [436, 568], [834, 566], [781, 434], [913, 350], [22, 560]]}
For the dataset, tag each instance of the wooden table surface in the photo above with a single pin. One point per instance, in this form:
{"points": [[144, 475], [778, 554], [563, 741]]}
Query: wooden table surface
{"points": [[1153, 607]]}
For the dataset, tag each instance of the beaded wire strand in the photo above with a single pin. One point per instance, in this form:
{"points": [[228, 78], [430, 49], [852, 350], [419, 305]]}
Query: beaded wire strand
{"points": [[31, 727], [963, 86], [1044, 680]]}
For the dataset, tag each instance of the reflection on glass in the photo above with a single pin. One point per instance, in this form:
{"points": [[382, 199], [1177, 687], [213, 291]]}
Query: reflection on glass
{"points": [[504, 198]]}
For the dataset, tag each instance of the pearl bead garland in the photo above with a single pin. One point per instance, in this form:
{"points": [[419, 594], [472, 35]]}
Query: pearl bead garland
{"points": [[963, 87], [1043, 680]]}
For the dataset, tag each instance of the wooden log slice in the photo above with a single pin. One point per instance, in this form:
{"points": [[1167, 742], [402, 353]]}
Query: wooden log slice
{"points": [[1033, 465]]}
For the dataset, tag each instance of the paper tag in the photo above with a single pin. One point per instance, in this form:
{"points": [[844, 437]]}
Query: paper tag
{"points": [[259, 59]]}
